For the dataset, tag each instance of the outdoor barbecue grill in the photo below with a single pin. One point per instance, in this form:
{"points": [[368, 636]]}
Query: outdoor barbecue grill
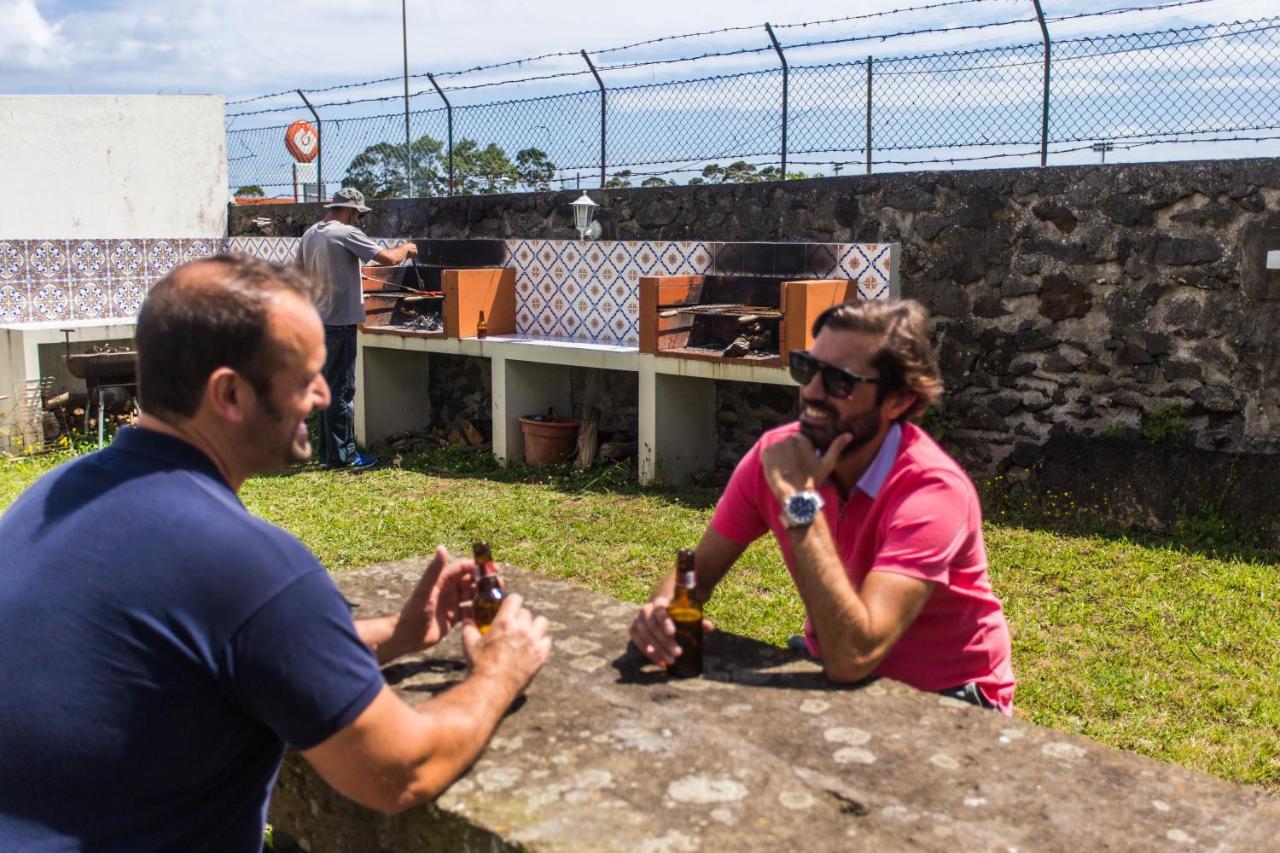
{"points": [[442, 292], [739, 319], [101, 372]]}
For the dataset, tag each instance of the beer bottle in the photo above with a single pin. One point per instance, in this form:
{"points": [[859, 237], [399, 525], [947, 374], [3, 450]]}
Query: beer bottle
{"points": [[489, 594], [482, 328], [686, 613]]}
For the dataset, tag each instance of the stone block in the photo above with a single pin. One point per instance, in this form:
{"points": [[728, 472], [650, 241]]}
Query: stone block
{"points": [[604, 753], [1181, 251]]}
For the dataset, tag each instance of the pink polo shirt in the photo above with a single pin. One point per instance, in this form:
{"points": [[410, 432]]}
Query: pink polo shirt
{"points": [[913, 513]]}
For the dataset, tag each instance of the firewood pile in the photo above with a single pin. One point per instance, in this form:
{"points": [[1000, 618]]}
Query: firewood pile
{"points": [[733, 331]]}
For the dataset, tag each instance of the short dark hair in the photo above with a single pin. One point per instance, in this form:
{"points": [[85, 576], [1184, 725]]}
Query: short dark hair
{"points": [[204, 315], [905, 360]]}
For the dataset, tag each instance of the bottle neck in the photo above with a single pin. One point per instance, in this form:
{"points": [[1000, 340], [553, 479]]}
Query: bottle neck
{"points": [[685, 579]]}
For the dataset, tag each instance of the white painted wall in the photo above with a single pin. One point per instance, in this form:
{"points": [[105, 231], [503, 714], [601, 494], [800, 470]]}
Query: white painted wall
{"points": [[112, 167]]}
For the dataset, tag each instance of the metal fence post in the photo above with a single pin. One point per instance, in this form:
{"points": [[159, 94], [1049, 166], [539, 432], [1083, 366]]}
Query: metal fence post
{"points": [[319, 148], [869, 64], [786, 73], [603, 117], [408, 145], [1044, 120], [448, 112]]}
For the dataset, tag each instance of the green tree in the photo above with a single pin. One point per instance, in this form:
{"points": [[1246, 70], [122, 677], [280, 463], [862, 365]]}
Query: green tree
{"points": [[741, 172], [482, 171], [380, 171], [250, 191], [533, 170], [620, 180], [657, 182]]}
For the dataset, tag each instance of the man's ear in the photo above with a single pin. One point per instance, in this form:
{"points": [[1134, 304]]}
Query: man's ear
{"points": [[898, 402], [225, 394]]}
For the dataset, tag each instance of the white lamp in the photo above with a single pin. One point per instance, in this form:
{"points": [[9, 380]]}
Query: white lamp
{"points": [[588, 228]]}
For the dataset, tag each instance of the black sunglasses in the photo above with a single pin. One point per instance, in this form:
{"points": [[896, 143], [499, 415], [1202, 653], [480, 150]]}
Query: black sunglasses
{"points": [[836, 381]]}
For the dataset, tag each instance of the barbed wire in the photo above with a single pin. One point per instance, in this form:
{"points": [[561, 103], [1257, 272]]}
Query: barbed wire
{"points": [[694, 58], [899, 34], [687, 166], [1173, 85], [572, 53]]}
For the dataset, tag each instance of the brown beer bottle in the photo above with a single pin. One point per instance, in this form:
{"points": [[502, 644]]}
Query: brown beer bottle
{"points": [[482, 328], [686, 613], [489, 594]]}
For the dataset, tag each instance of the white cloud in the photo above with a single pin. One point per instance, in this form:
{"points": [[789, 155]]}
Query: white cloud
{"points": [[27, 40]]}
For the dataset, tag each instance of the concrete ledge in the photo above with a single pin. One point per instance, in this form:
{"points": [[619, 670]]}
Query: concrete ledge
{"points": [[606, 754]]}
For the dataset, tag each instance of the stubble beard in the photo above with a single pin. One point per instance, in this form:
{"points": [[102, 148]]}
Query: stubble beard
{"points": [[862, 427]]}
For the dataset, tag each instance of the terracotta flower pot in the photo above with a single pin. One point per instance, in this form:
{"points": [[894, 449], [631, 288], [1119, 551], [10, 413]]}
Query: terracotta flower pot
{"points": [[548, 442]]}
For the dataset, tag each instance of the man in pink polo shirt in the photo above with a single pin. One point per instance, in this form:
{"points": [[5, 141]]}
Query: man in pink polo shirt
{"points": [[880, 528]]}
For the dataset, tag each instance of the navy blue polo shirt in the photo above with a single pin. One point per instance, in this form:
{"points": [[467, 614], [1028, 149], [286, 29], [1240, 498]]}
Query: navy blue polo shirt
{"points": [[158, 647]]}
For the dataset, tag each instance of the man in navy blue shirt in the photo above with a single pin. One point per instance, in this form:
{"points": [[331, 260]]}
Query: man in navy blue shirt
{"points": [[159, 645]]}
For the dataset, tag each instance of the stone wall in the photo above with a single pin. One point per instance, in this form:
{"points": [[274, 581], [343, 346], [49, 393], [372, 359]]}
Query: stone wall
{"points": [[460, 391], [1124, 302]]}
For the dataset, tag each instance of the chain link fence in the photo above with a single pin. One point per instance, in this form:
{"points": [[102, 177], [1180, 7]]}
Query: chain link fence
{"points": [[1210, 83]]}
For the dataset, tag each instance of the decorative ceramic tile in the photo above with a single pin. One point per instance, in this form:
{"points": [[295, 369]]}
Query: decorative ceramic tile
{"points": [[13, 260], [198, 248], [47, 259], [49, 301], [591, 290], [569, 289], [89, 258], [90, 299], [162, 257], [127, 259], [13, 304], [126, 298]]}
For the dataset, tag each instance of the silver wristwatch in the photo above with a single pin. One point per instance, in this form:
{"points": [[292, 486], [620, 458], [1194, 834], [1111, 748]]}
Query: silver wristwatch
{"points": [[802, 508]]}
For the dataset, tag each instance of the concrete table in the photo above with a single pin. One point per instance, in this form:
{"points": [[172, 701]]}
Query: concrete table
{"points": [[761, 754]]}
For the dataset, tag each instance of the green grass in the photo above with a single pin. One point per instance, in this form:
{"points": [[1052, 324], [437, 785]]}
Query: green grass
{"points": [[1153, 644]]}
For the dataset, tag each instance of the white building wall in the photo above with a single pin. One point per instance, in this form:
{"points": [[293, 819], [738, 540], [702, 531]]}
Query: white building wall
{"points": [[112, 167]]}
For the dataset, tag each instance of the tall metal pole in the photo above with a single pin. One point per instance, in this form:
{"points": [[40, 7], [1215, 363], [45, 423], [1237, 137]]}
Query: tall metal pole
{"points": [[319, 148], [785, 81], [604, 117], [448, 111], [408, 146], [870, 62], [1044, 121]]}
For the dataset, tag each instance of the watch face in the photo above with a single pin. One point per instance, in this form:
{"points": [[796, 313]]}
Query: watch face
{"points": [[802, 508]]}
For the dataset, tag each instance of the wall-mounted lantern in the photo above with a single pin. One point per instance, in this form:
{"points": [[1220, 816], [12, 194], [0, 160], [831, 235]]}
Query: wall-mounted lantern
{"points": [[588, 228]]}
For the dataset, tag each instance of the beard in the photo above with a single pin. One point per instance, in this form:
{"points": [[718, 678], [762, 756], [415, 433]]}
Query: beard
{"points": [[862, 427], [272, 424]]}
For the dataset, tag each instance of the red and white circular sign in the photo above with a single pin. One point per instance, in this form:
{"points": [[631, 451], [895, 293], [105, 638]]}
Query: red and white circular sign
{"points": [[302, 141]]}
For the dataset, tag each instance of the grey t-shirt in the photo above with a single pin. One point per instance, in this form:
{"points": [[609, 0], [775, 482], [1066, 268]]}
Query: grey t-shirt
{"points": [[331, 254]]}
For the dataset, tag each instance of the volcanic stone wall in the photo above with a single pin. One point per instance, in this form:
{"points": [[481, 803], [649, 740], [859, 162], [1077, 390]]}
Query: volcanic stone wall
{"points": [[1122, 303]]}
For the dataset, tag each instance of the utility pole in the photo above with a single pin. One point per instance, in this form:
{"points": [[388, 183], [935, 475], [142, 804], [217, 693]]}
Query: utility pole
{"points": [[1102, 148], [408, 146], [835, 167]]}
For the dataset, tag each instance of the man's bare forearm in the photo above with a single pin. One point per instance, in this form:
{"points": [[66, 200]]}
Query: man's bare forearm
{"points": [[461, 721], [839, 615]]}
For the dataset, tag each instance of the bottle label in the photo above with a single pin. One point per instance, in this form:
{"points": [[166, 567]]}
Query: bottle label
{"points": [[686, 580]]}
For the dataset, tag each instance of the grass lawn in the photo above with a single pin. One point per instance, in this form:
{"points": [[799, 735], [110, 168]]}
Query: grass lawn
{"points": [[1146, 643]]}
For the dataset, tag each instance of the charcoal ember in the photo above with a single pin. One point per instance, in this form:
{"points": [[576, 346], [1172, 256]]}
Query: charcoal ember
{"points": [[424, 323]]}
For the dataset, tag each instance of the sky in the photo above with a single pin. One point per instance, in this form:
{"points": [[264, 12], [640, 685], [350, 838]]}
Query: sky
{"points": [[249, 47], [241, 49]]}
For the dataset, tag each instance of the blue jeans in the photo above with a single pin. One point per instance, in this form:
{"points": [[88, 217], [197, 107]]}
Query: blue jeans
{"points": [[969, 693], [336, 445]]}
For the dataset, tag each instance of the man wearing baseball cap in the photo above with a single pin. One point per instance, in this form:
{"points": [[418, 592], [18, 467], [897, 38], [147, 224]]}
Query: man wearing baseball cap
{"points": [[331, 253]]}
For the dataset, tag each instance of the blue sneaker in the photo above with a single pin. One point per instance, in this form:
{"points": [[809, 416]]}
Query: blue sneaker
{"points": [[362, 462]]}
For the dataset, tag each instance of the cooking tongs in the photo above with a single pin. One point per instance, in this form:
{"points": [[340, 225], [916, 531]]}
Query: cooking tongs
{"points": [[420, 290]]}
